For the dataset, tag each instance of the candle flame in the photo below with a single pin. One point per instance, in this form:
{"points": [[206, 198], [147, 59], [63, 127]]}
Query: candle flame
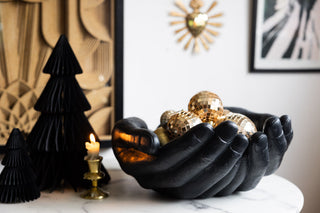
{"points": [[92, 138]]}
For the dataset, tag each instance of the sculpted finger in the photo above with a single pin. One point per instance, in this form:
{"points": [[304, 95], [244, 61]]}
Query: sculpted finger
{"points": [[237, 180], [214, 173], [237, 110], [172, 178], [277, 143], [174, 152], [225, 181], [287, 128], [258, 159], [133, 133]]}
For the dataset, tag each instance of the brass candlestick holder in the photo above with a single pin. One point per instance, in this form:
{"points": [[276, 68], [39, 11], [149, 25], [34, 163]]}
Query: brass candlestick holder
{"points": [[94, 174]]}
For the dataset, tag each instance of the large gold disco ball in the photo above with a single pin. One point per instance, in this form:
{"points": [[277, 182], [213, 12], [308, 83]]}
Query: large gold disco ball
{"points": [[207, 105]]}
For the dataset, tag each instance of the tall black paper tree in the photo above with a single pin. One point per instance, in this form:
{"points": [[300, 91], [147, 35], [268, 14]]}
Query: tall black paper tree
{"points": [[17, 179], [57, 140]]}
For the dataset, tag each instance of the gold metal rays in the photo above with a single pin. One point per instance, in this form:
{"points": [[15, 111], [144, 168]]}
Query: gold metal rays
{"points": [[196, 24]]}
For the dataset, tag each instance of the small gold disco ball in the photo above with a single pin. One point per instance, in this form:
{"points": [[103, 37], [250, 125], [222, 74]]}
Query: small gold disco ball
{"points": [[220, 119], [207, 105], [165, 117], [163, 135], [245, 125], [181, 122], [226, 112]]}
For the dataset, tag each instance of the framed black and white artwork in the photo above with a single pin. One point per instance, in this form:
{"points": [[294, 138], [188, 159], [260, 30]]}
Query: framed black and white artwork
{"points": [[285, 36]]}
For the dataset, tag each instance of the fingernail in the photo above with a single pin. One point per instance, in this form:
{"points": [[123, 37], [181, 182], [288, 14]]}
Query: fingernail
{"points": [[285, 122], [240, 143], [275, 128], [260, 141], [227, 130], [204, 131]]}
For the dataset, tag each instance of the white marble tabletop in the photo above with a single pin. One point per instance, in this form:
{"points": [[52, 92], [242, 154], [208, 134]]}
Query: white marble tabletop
{"points": [[273, 194]]}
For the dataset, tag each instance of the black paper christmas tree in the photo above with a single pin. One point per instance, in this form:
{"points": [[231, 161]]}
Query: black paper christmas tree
{"points": [[57, 141], [17, 179]]}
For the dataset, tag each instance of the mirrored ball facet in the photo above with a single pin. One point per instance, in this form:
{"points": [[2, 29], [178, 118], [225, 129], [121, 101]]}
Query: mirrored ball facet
{"points": [[220, 118], [163, 135], [165, 117], [245, 125], [226, 112], [181, 122], [207, 105]]}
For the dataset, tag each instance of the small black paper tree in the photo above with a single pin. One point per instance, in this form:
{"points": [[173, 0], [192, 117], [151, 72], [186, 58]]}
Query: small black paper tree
{"points": [[17, 179], [57, 140]]}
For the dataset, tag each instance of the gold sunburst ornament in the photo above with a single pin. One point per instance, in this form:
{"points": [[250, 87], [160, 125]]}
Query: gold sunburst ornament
{"points": [[196, 24]]}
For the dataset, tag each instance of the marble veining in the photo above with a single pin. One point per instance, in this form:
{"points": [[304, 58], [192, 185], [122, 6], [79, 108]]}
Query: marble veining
{"points": [[198, 206], [273, 194]]}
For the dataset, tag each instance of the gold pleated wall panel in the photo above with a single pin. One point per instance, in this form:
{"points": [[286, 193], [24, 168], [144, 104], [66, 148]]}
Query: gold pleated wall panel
{"points": [[29, 29]]}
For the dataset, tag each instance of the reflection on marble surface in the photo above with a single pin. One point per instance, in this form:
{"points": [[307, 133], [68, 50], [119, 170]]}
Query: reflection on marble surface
{"points": [[273, 194]]}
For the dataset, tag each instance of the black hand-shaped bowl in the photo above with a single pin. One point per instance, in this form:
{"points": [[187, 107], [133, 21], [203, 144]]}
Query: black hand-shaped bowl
{"points": [[205, 161]]}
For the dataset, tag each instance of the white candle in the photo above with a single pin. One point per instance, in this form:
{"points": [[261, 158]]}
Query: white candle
{"points": [[93, 147]]}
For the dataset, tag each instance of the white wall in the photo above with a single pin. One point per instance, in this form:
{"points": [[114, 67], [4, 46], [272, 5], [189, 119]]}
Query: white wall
{"points": [[159, 75]]}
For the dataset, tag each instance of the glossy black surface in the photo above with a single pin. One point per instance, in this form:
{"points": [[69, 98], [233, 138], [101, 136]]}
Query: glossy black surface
{"points": [[204, 162]]}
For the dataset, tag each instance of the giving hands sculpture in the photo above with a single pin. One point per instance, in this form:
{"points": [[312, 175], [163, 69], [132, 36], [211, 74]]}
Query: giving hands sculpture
{"points": [[205, 161]]}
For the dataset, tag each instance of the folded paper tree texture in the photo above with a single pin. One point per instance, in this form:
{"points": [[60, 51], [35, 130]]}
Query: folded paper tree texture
{"points": [[29, 31]]}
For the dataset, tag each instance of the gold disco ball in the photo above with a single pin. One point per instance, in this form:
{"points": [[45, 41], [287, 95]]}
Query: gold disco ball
{"points": [[165, 117], [207, 105], [226, 112], [163, 135], [181, 122], [245, 125], [219, 119]]}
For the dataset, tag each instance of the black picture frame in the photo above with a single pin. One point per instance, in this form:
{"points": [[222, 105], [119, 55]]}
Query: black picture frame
{"points": [[118, 57], [276, 43]]}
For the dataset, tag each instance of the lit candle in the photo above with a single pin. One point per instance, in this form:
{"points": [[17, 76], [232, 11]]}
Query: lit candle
{"points": [[93, 147]]}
